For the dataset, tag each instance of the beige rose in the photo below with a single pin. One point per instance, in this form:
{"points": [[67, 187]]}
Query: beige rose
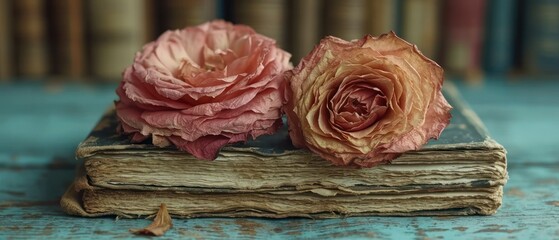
{"points": [[365, 102]]}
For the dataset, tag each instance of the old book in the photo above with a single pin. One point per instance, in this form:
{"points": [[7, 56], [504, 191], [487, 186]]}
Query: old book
{"points": [[304, 27], [6, 41], [500, 36], [267, 17], [540, 36], [383, 16], [116, 31], [67, 37], [177, 14], [462, 173], [346, 19], [31, 38], [462, 36], [420, 25]]}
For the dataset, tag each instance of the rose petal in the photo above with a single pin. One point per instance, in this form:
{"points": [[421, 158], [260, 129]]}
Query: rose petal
{"points": [[161, 223], [213, 82]]}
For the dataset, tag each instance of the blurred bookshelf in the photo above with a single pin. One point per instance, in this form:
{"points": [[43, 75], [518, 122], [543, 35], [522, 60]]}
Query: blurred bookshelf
{"points": [[80, 40]]}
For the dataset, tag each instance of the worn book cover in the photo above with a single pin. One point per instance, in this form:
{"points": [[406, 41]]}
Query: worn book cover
{"points": [[462, 173]]}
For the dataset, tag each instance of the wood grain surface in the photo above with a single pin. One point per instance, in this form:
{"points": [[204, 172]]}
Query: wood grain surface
{"points": [[41, 124]]}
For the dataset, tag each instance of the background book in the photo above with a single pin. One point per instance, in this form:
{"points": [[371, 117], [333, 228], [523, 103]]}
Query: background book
{"points": [[421, 25], [66, 37], [499, 46], [345, 19], [267, 17], [305, 26], [463, 37], [177, 14], [383, 16], [6, 40], [540, 50], [116, 31], [32, 52]]}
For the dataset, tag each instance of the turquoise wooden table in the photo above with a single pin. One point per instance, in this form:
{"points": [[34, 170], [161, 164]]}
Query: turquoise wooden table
{"points": [[41, 124]]}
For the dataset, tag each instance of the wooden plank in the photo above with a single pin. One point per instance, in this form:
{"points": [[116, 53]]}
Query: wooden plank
{"points": [[38, 120], [521, 115], [20, 97], [511, 92], [46, 222], [529, 133], [33, 185], [29, 208]]}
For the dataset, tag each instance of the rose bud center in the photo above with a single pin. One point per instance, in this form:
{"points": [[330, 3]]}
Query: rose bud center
{"points": [[212, 61], [356, 107], [214, 57]]}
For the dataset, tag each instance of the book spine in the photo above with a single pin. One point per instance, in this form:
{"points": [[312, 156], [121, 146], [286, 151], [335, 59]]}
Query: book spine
{"points": [[541, 36], [499, 36], [382, 16], [32, 51], [420, 25], [151, 23], [463, 36], [220, 9], [177, 14], [267, 17], [67, 38], [345, 19], [6, 40], [304, 27], [116, 32]]}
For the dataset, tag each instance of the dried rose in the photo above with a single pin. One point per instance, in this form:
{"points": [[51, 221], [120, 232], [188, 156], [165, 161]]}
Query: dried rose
{"points": [[203, 87], [365, 102]]}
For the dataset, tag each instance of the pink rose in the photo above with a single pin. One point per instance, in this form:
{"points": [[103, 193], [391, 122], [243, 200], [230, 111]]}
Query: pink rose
{"points": [[365, 102], [203, 87]]}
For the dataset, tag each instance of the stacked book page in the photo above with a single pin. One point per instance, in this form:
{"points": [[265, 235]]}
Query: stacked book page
{"points": [[461, 173]]}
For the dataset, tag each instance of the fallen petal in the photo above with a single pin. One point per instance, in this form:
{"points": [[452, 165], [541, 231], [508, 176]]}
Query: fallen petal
{"points": [[161, 223]]}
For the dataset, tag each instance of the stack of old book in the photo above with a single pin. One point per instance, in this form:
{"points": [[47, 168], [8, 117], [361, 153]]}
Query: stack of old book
{"points": [[462, 173]]}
